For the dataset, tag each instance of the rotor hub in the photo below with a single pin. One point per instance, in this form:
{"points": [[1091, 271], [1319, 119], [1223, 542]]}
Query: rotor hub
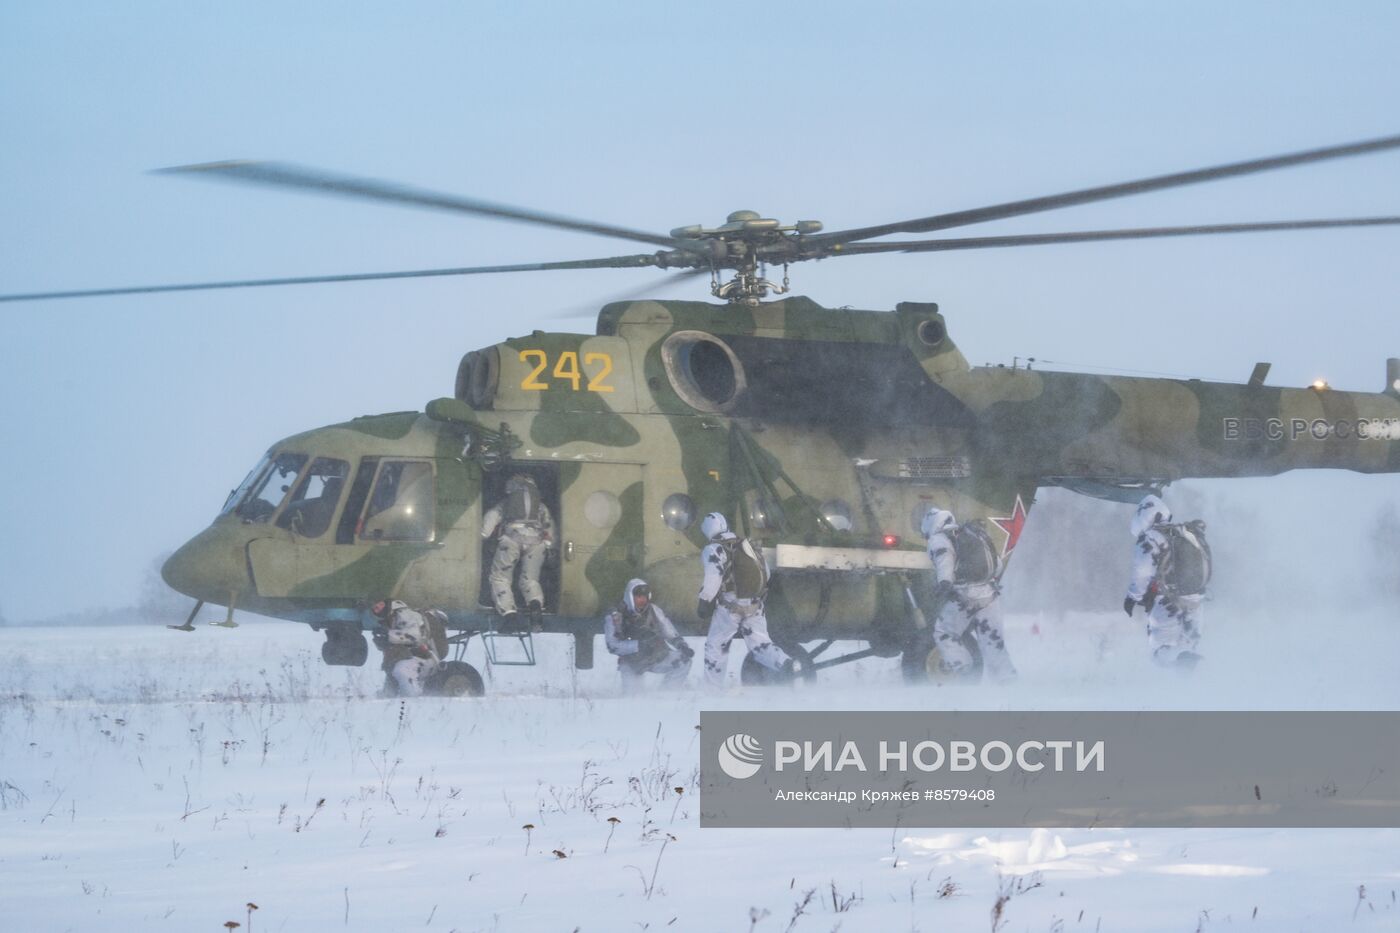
{"points": [[746, 242]]}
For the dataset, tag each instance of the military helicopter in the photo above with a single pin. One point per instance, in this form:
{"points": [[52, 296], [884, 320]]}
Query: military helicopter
{"points": [[825, 434]]}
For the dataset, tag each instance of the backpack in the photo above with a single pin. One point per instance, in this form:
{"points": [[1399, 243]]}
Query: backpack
{"points": [[521, 505], [437, 631], [1185, 570], [747, 574], [975, 553]]}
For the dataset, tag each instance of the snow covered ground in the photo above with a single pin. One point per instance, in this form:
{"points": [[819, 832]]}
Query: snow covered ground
{"points": [[157, 780]]}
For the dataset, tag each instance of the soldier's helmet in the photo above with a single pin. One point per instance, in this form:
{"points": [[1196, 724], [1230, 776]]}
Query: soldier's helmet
{"points": [[637, 596], [936, 520], [520, 481], [1150, 511], [713, 525]]}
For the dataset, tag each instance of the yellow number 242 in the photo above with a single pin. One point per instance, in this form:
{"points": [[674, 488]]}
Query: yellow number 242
{"points": [[567, 369]]}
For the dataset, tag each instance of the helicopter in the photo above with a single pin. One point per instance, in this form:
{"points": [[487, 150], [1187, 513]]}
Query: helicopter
{"points": [[823, 434]]}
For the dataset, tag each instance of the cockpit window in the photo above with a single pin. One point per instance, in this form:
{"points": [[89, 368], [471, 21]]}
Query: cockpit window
{"points": [[309, 511], [401, 506], [269, 491], [254, 475]]}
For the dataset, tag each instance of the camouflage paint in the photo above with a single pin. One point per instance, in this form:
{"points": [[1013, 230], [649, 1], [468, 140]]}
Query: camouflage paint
{"points": [[1014, 430], [607, 575]]}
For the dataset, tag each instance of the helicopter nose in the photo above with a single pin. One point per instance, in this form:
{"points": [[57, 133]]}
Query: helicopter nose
{"points": [[210, 566]]}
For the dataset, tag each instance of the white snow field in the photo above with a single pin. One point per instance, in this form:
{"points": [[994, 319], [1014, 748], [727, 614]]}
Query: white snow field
{"points": [[157, 780]]}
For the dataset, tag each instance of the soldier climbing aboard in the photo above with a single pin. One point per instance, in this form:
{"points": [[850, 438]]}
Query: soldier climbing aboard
{"points": [[731, 599], [1171, 568], [644, 640], [964, 598], [526, 530]]}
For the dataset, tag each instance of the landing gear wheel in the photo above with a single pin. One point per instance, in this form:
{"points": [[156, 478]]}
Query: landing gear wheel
{"points": [[455, 679], [345, 646], [921, 663], [751, 673]]}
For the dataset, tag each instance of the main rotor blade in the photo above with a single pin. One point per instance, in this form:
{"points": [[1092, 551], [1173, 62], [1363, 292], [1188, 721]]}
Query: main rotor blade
{"points": [[1104, 193], [285, 175], [590, 309], [1090, 236], [616, 262]]}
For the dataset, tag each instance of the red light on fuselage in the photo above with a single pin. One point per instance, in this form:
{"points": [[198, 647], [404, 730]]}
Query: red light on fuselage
{"points": [[890, 540]]}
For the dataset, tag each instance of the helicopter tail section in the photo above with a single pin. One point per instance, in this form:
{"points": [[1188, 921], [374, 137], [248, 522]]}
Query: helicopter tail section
{"points": [[1069, 428]]}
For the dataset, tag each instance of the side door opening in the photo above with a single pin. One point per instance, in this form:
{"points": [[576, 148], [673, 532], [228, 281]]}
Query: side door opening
{"points": [[493, 493]]}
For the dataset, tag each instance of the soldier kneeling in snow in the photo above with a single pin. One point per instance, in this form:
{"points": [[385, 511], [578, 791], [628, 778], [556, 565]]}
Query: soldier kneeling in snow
{"points": [[644, 640], [1171, 567], [409, 643]]}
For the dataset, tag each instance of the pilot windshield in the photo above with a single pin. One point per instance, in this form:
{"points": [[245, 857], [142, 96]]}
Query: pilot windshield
{"points": [[254, 476], [268, 491], [310, 509]]}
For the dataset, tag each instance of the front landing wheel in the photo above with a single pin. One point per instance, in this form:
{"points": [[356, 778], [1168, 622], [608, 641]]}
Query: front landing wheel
{"points": [[345, 646]]}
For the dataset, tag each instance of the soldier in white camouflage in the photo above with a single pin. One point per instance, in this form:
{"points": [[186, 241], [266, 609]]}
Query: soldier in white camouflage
{"points": [[1171, 567], [731, 599], [965, 595], [639, 633], [409, 645], [526, 533]]}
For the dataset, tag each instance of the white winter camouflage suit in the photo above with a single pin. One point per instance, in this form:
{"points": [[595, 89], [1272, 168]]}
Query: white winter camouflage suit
{"points": [[733, 616], [974, 608], [408, 629], [1173, 622], [639, 654], [524, 542]]}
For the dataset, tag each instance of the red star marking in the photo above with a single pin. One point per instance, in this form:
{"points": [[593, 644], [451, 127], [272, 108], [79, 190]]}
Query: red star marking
{"points": [[1012, 525]]}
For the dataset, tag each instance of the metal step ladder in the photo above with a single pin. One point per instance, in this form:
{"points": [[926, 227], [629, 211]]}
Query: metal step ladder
{"points": [[509, 649]]}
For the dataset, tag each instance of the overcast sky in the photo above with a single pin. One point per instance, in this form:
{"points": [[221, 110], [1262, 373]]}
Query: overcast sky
{"points": [[127, 420]]}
